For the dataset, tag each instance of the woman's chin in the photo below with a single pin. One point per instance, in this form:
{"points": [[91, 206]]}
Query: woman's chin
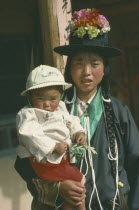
{"points": [[87, 89]]}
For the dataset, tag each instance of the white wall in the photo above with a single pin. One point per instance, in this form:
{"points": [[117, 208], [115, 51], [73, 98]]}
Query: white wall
{"points": [[13, 191]]}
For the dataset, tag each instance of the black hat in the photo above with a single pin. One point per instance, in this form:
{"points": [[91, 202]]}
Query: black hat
{"points": [[89, 30]]}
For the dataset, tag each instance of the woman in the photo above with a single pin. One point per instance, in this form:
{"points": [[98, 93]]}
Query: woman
{"points": [[113, 173]]}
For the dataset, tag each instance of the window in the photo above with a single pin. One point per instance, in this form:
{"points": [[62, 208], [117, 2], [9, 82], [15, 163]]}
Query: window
{"points": [[14, 67]]}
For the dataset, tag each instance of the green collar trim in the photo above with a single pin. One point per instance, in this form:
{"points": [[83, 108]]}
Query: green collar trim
{"points": [[94, 112]]}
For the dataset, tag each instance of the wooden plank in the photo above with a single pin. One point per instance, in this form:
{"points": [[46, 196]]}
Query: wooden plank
{"points": [[50, 12], [63, 17]]}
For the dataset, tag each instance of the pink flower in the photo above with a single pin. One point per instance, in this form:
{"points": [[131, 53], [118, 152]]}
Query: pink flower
{"points": [[102, 20], [80, 14]]}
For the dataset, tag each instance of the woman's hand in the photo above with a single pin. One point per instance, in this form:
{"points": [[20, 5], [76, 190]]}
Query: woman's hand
{"points": [[72, 192], [60, 148]]}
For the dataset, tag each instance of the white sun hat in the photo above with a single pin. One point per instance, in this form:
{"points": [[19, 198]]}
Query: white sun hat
{"points": [[44, 76]]}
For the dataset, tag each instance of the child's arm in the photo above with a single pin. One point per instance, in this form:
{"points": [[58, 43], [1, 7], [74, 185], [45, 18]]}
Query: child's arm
{"points": [[60, 148], [77, 132], [32, 139]]}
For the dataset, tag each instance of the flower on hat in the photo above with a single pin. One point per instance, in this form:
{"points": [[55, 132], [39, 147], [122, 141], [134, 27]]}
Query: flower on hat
{"points": [[90, 22]]}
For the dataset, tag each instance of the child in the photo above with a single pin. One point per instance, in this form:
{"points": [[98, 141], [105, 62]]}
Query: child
{"points": [[46, 130]]}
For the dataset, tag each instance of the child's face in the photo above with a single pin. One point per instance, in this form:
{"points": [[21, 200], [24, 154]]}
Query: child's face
{"points": [[46, 98]]}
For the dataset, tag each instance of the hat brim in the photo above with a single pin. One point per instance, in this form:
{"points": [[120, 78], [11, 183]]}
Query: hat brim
{"points": [[48, 84], [106, 51]]}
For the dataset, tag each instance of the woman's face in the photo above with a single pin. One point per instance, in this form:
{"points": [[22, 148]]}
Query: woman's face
{"points": [[87, 70]]}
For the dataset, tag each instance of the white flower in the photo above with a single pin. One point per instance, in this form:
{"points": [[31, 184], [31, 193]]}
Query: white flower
{"points": [[106, 28]]}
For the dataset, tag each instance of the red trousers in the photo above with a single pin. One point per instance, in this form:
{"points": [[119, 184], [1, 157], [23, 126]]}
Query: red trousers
{"points": [[56, 172]]}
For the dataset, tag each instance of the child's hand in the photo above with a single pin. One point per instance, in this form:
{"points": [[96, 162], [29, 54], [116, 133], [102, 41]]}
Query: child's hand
{"points": [[60, 148], [80, 138]]}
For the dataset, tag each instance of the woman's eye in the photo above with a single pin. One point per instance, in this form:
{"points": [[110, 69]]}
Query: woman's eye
{"points": [[95, 64], [78, 63]]}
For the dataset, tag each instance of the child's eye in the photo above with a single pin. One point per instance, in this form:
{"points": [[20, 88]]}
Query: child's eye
{"points": [[40, 98]]}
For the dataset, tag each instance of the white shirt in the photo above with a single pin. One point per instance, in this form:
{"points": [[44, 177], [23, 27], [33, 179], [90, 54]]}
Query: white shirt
{"points": [[82, 106], [39, 131]]}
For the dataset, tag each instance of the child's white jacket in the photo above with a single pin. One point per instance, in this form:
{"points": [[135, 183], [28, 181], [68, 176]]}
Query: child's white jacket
{"points": [[39, 131]]}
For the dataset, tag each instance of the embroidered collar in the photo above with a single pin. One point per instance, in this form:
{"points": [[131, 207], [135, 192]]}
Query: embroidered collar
{"points": [[88, 102]]}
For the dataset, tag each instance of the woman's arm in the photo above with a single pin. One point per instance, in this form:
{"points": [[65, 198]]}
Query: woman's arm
{"points": [[132, 161], [130, 139]]}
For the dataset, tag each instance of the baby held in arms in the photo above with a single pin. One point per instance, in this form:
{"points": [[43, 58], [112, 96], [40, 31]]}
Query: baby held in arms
{"points": [[46, 130]]}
